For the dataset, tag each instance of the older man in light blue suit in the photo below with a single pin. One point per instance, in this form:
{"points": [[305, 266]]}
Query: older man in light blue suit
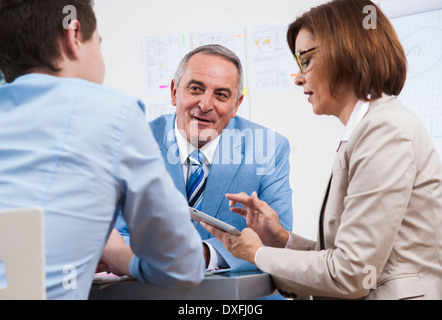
{"points": [[240, 156]]}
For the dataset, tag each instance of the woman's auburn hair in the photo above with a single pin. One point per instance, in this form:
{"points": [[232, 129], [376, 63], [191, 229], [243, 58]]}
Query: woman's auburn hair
{"points": [[372, 57]]}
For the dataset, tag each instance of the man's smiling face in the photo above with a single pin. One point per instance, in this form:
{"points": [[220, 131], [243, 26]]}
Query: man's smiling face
{"points": [[206, 97]]}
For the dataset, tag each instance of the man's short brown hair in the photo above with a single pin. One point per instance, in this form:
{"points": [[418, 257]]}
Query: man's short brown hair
{"points": [[372, 58], [30, 31]]}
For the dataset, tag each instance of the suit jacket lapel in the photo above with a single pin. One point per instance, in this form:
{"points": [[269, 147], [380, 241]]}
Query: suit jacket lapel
{"points": [[321, 217], [221, 175], [176, 172], [170, 152], [321, 235]]}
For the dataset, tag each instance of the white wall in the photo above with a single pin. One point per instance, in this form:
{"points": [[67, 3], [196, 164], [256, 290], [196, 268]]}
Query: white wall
{"points": [[314, 139]]}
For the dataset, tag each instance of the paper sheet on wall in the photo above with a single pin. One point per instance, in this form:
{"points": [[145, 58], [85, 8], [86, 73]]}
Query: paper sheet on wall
{"points": [[162, 54], [272, 66], [233, 39], [155, 107]]}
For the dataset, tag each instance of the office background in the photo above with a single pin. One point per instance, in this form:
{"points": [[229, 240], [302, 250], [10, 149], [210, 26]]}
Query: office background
{"points": [[144, 40], [124, 24], [130, 28]]}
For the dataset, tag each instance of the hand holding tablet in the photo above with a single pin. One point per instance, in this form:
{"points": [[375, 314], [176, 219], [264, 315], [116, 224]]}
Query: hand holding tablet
{"points": [[201, 216]]}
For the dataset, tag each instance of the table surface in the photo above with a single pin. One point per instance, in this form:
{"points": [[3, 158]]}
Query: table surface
{"points": [[228, 286]]}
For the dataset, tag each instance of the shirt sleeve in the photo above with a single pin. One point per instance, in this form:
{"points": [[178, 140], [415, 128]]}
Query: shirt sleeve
{"points": [[168, 249]]}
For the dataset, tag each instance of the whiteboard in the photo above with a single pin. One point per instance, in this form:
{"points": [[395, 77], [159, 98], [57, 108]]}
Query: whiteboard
{"points": [[419, 27]]}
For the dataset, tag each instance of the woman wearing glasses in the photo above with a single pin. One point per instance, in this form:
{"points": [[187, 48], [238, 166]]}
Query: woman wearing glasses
{"points": [[380, 228]]}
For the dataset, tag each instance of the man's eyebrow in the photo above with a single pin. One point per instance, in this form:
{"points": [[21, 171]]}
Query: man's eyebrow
{"points": [[198, 83], [202, 85], [227, 90]]}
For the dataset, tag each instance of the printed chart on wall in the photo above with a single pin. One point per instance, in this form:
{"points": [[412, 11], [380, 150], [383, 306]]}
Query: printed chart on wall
{"points": [[233, 39], [162, 54], [271, 62], [420, 31]]}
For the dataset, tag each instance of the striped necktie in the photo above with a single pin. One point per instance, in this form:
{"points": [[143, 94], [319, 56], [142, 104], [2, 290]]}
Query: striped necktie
{"points": [[196, 182]]}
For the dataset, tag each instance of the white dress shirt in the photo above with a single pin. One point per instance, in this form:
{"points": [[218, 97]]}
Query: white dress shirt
{"points": [[358, 113], [209, 149]]}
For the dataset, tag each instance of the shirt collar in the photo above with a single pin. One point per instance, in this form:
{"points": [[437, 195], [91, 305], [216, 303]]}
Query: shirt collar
{"points": [[186, 148], [358, 113]]}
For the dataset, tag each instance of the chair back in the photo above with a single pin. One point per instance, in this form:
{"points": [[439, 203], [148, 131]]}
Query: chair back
{"points": [[22, 254]]}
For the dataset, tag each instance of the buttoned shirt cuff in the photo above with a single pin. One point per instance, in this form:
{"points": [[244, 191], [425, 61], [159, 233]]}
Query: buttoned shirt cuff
{"points": [[215, 260], [136, 269]]}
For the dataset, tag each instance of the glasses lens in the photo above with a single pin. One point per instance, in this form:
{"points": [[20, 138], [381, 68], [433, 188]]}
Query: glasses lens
{"points": [[303, 58]]}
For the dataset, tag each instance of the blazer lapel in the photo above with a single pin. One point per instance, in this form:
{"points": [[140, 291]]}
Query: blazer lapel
{"points": [[222, 173], [176, 172], [170, 153], [336, 165], [321, 217]]}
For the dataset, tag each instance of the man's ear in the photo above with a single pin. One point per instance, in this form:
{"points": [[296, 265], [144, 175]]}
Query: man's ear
{"points": [[71, 40], [173, 89], [238, 102]]}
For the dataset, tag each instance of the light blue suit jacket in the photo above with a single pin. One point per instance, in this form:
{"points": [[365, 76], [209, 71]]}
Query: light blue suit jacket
{"points": [[249, 158]]}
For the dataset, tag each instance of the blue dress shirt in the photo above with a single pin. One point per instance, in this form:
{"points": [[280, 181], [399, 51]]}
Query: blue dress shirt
{"points": [[84, 152]]}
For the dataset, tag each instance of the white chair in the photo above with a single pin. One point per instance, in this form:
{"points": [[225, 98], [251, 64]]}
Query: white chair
{"points": [[22, 254]]}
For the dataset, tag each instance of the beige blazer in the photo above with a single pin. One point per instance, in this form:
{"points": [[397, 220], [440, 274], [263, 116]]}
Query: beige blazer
{"points": [[380, 230]]}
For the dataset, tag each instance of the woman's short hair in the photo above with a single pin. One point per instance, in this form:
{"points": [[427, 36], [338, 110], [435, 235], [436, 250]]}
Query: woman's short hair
{"points": [[369, 55], [30, 31], [216, 50]]}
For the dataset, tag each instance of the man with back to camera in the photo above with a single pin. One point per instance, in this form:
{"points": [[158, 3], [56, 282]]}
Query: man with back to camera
{"points": [[78, 150], [234, 154]]}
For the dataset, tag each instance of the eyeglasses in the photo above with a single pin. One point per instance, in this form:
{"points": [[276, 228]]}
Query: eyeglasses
{"points": [[303, 64]]}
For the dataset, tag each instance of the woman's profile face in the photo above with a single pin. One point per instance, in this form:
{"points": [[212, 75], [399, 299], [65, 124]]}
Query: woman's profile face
{"points": [[316, 84]]}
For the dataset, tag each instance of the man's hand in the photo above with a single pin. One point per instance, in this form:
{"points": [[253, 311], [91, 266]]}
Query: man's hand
{"points": [[116, 255], [243, 246]]}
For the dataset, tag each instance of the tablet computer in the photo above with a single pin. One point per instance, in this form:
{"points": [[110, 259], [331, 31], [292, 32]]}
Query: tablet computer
{"points": [[201, 216]]}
